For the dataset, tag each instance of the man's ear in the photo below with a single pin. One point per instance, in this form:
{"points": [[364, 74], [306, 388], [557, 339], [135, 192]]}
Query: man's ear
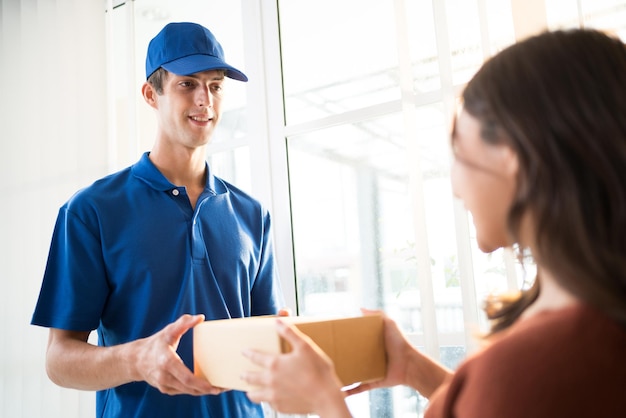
{"points": [[149, 94]]}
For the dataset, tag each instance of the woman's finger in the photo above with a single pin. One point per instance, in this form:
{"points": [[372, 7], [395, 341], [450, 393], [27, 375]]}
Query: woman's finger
{"points": [[293, 335], [259, 358]]}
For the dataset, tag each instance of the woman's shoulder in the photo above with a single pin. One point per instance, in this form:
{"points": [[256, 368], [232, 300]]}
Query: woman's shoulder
{"points": [[553, 338], [557, 363]]}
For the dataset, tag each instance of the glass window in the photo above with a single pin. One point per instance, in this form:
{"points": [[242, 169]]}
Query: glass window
{"points": [[464, 37], [345, 234], [336, 56], [374, 221], [600, 14], [354, 236]]}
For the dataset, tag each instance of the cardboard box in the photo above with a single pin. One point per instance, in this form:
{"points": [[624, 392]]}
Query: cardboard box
{"points": [[355, 345]]}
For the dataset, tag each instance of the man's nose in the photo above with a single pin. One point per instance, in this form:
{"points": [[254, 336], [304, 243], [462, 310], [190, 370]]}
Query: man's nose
{"points": [[204, 97]]}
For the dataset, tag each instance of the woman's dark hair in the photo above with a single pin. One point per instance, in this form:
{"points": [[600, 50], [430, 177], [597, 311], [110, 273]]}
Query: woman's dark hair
{"points": [[558, 100]]}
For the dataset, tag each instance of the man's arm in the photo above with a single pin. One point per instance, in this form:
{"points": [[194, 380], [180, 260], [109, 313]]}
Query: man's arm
{"points": [[72, 362]]}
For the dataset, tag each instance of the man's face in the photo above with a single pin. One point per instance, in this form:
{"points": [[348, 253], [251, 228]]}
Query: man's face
{"points": [[190, 107]]}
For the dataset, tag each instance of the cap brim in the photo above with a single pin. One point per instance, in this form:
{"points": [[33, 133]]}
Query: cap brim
{"points": [[196, 63]]}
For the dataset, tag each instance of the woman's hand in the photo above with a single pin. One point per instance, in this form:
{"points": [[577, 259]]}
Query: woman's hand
{"points": [[298, 382], [398, 350], [405, 364]]}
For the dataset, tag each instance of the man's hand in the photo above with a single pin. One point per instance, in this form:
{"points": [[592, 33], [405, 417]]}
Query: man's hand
{"points": [[158, 363], [284, 311], [74, 363]]}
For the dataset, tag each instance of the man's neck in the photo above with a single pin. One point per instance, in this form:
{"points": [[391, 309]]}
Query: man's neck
{"points": [[182, 167]]}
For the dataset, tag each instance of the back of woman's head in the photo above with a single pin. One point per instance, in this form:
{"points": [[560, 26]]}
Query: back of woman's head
{"points": [[559, 100]]}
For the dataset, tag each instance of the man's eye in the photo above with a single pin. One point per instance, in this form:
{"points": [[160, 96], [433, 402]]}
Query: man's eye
{"points": [[217, 88], [185, 83]]}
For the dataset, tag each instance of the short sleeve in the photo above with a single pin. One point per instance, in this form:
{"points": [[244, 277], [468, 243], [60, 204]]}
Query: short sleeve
{"points": [[74, 287]]}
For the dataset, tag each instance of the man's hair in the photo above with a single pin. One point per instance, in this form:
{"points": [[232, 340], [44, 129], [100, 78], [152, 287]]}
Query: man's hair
{"points": [[157, 79]]}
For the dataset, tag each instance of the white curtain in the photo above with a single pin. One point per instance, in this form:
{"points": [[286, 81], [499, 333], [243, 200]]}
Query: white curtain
{"points": [[53, 140]]}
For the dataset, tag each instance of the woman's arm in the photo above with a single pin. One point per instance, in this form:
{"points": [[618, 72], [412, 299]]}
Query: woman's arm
{"points": [[405, 364], [304, 380]]}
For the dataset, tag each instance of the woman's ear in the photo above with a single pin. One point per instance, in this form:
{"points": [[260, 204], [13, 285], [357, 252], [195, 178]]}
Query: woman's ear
{"points": [[149, 94], [510, 161]]}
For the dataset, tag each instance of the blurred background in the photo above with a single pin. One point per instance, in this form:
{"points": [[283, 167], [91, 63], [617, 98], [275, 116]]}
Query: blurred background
{"points": [[342, 132]]}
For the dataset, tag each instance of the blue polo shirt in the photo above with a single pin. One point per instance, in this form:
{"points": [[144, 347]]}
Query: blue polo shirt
{"points": [[129, 255]]}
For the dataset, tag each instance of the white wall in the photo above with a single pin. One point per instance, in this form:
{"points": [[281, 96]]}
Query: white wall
{"points": [[53, 140]]}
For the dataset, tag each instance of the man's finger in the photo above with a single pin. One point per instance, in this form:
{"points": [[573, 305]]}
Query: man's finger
{"points": [[284, 312], [175, 330]]}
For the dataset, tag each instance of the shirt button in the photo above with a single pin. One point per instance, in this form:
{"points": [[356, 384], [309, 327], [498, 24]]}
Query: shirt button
{"points": [[175, 192]]}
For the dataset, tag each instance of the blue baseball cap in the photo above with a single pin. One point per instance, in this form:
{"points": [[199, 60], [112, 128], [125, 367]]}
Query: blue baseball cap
{"points": [[185, 48]]}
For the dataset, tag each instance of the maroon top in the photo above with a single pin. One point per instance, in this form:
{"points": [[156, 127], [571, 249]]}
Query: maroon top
{"points": [[565, 363]]}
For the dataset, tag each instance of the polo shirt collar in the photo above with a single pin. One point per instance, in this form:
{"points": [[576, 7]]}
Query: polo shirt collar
{"points": [[146, 171]]}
